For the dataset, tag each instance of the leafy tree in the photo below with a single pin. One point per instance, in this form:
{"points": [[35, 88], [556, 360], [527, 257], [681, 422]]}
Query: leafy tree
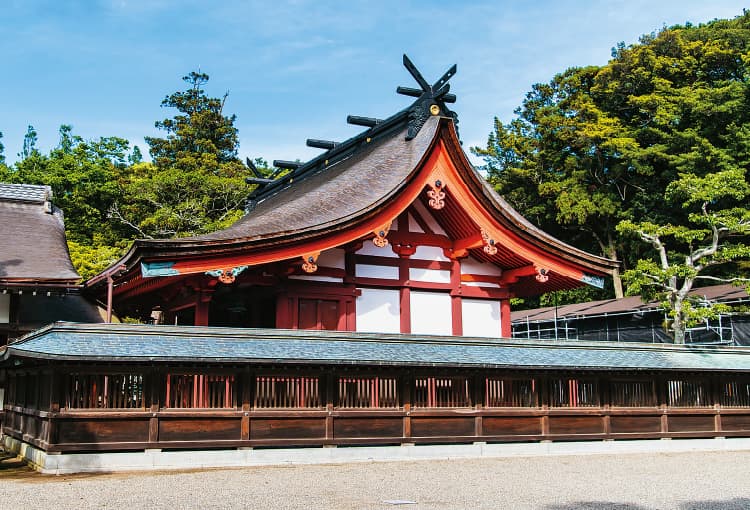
{"points": [[5, 171], [29, 144], [716, 234], [91, 259], [84, 177], [200, 134], [599, 145], [196, 183]]}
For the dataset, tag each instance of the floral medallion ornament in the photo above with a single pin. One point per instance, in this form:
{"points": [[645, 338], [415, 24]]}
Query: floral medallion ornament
{"points": [[226, 276], [308, 263], [489, 244], [437, 195], [542, 274], [379, 240]]}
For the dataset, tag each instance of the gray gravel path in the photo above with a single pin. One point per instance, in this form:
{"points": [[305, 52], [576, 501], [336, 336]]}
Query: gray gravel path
{"points": [[660, 481]]}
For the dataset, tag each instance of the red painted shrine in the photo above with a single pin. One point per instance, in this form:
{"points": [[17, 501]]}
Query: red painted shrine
{"points": [[397, 247]]}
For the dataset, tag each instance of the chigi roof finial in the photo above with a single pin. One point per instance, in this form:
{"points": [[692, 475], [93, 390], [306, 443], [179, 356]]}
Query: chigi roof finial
{"points": [[431, 100]]}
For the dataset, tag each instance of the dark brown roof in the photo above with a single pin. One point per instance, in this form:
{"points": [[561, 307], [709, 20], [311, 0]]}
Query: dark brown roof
{"points": [[715, 293], [338, 192], [33, 248]]}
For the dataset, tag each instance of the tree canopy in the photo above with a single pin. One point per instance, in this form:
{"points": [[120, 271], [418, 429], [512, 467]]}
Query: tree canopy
{"points": [[715, 234], [196, 183], [599, 145]]}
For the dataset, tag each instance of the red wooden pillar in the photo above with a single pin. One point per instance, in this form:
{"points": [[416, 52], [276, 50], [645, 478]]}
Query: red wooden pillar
{"points": [[505, 328], [201, 307]]}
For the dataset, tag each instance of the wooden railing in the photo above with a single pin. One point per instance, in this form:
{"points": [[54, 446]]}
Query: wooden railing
{"points": [[172, 410]]}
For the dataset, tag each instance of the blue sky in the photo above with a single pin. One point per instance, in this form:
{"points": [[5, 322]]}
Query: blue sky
{"points": [[295, 69]]}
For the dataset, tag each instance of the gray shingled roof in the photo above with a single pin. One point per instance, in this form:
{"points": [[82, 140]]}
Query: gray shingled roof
{"points": [[32, 241], [343, 190], [37, 194], [119, 342]]}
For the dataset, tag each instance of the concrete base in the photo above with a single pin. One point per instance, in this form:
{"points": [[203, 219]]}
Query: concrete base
{"points": [[188, 459]]}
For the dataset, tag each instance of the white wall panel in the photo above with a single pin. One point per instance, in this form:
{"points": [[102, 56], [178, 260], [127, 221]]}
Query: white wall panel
{"points": [[430, 253], [471, 265], [481, 317], [378, 311], [428, 218], [431, 313], [370, 249], [332, 258], [429, 275], [370, 271], [314, 278], [414, 226]]}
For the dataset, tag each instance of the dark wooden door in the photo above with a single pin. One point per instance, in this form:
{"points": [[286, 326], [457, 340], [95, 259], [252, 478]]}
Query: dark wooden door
{"points": [[318, 314]]}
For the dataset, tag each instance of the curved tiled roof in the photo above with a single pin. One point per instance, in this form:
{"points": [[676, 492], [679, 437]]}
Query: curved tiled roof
{"points": [[123, 342]]}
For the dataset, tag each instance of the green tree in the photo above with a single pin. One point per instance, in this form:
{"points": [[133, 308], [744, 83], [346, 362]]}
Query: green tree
{"points": [[29, 143], [715, 234], [196, 183], [84, 177], [200, 134], [599, 145]]}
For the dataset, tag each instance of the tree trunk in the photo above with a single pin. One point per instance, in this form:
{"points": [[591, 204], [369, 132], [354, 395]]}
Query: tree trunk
{"points": [[679, 323], [617, 282], [611, 252]]}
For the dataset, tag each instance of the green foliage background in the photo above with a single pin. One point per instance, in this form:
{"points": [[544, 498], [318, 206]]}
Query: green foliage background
{"points": [[596, 146]]}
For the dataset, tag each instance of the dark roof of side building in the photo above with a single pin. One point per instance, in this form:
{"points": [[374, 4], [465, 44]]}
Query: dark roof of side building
{"points": [[33, 250], [631, 304], [147, 343]]}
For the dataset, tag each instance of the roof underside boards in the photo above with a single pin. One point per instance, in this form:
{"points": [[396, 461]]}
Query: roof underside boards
{"points": [[33, 247], [139, 343]]}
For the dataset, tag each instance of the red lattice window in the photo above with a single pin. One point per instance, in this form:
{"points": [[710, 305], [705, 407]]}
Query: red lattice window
{"points": [[367, 392], [442, 392], [98, 391], [272, 392], [195, 391]]}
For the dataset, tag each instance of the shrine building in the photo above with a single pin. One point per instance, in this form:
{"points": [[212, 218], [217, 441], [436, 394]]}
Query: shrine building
{"points": [[363, 299]]}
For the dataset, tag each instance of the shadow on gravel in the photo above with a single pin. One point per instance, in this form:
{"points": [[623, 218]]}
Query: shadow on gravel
{"points": [[596, 505], [728, 504], [12, 467]]}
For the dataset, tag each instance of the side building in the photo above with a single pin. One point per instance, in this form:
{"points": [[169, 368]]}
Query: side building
{"points": [[364, 299], [631, 320]]}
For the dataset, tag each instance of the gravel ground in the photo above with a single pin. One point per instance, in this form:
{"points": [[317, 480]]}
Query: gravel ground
{"points": [[633, 482]]}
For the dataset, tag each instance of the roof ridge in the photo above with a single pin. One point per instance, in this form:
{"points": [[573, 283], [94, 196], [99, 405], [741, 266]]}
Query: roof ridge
{"points": [[431, 100]]}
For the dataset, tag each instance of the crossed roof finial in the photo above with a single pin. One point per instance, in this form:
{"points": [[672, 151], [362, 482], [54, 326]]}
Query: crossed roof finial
{"points": [[428, 96]]}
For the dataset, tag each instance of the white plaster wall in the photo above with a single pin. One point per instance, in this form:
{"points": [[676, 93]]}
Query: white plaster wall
{"points": [[370, 249], [332, 258], [4, 308], [378, 311], [481, 317], [414, 226], [481, 284], [428, 218], [370, 271], [431, 313], [429, 275], [314, 278], [471, 265], [430, 253]]}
